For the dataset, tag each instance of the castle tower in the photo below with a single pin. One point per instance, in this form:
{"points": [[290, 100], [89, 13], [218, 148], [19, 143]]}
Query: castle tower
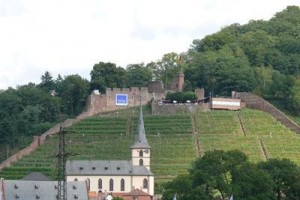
{"points": [[140, 150]]}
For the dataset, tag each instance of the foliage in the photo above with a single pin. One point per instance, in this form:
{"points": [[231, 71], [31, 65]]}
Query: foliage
{"points": [[261, 57], [168, 67], [181, 97], [286, 176], [106, 75], [220, 173], [138, 75]]}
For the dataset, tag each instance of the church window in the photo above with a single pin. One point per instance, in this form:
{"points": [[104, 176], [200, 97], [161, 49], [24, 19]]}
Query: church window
{"points": [[141, 153], [75, 179], [145, 183], [88, 184], [100, 183], [122, 184], [111, 185], [141, 162]]}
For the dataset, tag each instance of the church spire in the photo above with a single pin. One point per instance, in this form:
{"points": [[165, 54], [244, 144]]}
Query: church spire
{"points": [[140, 137]]}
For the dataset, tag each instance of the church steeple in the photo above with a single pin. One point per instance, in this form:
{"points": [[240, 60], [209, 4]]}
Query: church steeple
{"points": [[140, 150], [140, 137]]}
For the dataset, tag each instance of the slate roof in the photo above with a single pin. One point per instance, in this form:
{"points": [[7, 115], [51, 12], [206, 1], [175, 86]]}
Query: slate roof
{"points": [[105, 167], [44, 190], [140, 137], [36, 176]]}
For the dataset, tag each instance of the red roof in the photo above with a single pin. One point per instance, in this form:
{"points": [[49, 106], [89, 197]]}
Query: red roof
{"points": [[137, 192]]}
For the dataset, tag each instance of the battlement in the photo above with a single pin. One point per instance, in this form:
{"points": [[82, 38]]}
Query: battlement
{"points": [[126, 90]]}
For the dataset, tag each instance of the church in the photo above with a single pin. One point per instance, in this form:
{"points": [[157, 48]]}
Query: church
{"points": [[129, 179]]}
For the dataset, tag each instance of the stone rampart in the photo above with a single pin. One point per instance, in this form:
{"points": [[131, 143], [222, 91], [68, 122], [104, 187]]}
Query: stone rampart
{"points": [[158, 108], [37, 141]]}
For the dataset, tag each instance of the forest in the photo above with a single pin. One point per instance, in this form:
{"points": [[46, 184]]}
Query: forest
{"points": [[262, 57]]}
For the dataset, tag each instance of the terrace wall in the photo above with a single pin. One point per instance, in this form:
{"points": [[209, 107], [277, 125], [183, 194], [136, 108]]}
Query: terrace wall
{"points": [[157, 108], [37, 141]]}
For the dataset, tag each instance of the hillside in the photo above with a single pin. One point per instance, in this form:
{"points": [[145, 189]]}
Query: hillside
{"points": [[176, 140]]}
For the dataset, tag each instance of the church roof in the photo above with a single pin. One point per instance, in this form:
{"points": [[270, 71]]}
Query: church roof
{"points": [[140, 137], [45, 190], [105, 168], [36, 176]]}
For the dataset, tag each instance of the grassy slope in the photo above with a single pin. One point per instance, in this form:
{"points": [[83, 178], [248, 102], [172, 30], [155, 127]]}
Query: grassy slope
{"points": [[171, 138]]}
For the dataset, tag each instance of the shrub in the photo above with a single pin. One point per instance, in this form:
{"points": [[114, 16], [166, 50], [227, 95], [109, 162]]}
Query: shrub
{"points": [[181, 97]]}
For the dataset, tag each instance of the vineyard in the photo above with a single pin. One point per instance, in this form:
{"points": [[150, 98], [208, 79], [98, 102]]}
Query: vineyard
{"points": [[176, 140]]}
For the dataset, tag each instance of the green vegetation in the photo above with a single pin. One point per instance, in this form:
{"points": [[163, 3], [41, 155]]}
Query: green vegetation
{"points": [[174, 140], [181, 97], [221, 175]]}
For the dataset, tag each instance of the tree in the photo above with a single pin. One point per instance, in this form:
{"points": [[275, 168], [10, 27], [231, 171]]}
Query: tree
{"points": [[74, 92], [168, 67], [214, 171], [250, 182], [47, 82], [108, 75], [138, 75], [286, 176]]}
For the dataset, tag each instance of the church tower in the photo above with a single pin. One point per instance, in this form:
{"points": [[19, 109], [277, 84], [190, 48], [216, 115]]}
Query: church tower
{"points": [[140, 150]]}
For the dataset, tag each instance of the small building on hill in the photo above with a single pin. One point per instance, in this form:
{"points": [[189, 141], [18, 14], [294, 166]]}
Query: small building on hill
{"points": [[122, 178]]}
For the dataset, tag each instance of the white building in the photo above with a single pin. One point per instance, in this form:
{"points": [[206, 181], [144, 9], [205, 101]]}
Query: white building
{"points": [[117, 177]]}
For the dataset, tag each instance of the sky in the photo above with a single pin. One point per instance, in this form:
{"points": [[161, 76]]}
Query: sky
{"points": [[69, 36]]}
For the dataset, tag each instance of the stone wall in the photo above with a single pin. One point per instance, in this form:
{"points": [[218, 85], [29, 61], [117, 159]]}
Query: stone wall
{"points": [[157, 108], [37, 141]]}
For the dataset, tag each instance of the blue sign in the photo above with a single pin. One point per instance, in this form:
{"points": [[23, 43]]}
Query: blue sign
{"points": [[121, 99]]}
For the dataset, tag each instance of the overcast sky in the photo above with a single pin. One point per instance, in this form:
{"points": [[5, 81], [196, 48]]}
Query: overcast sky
{"points": [[69, 36]]}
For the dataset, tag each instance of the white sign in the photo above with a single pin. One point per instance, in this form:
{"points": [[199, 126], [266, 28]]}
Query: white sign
{"points": [[226, 103]]}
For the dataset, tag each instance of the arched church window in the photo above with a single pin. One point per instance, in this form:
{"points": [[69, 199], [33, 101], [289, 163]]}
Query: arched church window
{"points": [[145, 183], [141, 153], [100, 183], [111, 185], [122, 184], [75, 179], [141, 162]]}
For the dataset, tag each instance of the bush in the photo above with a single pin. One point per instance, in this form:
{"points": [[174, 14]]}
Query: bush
{"points": [[181, 97]]}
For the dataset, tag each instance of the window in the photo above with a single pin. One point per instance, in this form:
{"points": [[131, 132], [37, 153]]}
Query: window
{"points": [[145, 183], [88, 184], [111, 185], [75, 179], [122, 184], [100, 183], [141, 162], [141, 153]]}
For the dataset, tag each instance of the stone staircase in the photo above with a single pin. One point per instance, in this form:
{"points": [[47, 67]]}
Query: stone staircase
{"points": [[256, 102]]}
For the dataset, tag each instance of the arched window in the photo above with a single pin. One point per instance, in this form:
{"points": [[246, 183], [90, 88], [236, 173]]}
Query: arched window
{"points": [[75, 179], [122, 184], [88, 184], [141, 153], [111, 185], [145, 183], [141, 162], [100, 183]]}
